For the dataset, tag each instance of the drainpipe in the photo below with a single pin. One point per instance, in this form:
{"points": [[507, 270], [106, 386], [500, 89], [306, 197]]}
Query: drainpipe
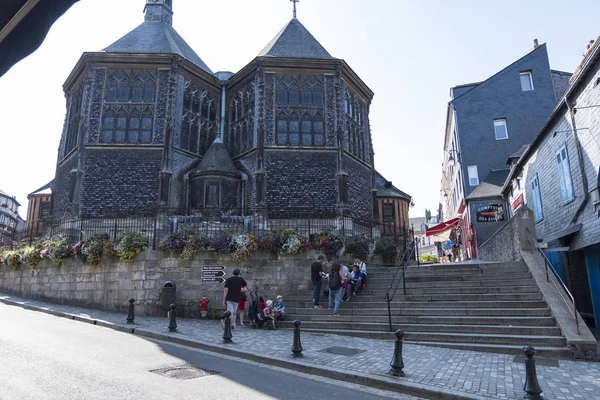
{"points": [[222, 127], [584, 180], [244, 181]]}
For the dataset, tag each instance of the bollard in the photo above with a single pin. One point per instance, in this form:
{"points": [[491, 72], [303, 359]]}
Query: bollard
{"points": [[297, 346], [227, 330], [130, 316], [397, 364], [172, 321], [531, 388]]}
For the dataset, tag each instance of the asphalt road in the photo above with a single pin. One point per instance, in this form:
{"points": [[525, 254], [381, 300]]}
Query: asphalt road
{"points": [[47, 357]]}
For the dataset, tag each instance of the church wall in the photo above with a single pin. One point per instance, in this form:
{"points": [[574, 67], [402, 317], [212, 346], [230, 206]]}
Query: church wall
{"points": [[293, 175], [182, 164], [229, 193], [360, 196], [120, 180], [248, 165], [63, 187]]}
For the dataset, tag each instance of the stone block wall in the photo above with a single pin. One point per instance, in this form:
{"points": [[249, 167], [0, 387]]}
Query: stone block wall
{"points": [[508, 241], [109, 285]]}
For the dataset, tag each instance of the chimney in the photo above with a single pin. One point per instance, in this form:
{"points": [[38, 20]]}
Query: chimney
{"points": [[388, 185], [535, 44]]}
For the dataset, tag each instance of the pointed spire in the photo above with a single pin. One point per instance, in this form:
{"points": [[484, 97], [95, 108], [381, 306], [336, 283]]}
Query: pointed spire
{"points": [[295, 41], [159, 11]]}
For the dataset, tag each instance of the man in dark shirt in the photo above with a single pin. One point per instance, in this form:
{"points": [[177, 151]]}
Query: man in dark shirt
{"points": [[232, 293], [316, 275]]}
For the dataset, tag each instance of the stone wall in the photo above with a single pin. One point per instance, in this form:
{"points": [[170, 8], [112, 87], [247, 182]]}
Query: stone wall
{"points": [[508, 241], [109, 285]]}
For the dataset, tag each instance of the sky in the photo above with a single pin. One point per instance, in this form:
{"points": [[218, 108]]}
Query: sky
{"points": [[410, 53]]}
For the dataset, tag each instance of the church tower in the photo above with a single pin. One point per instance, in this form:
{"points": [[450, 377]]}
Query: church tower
{"points": [[140, 115], [298, 126]]}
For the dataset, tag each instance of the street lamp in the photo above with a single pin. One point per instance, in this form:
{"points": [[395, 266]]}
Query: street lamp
{"points": [[451, 159]]}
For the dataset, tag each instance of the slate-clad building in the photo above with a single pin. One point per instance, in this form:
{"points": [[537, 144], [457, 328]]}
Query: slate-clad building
{"points": [[149, 124]]}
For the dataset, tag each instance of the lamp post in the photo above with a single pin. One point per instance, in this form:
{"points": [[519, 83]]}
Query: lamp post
{"points": [[451, 159]]}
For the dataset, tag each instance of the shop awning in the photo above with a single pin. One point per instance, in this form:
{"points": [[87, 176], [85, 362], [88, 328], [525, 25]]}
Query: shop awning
{"points": [[442, 227]]}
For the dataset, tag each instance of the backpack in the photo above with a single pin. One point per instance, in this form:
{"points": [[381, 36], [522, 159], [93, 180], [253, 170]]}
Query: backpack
{"points": [[335, 281]]}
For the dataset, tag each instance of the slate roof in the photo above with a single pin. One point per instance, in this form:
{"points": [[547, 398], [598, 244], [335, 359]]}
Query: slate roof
{"points": [[294, 41], [518, 153], [491, 185], [217, 160], [43, 190], [382, 191], [156, 37]]}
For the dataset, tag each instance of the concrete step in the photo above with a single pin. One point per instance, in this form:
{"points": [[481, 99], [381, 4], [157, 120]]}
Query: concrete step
{"points": [[384, 283], [468, 297], [379, 303], [424, 312], [476, 290], [415, 319], [470, 277]]}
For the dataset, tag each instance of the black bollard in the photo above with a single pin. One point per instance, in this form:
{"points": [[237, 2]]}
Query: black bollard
{"points": [[227, 331], [397, 364], [172, 321], [130, 316], [297, 346], [532, 387]]}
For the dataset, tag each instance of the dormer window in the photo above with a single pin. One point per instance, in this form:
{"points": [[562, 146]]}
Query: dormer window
{"points": [[526, 81]]}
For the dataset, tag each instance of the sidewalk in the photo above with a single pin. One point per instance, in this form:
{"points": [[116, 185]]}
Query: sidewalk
{"points": [[430, 372]]}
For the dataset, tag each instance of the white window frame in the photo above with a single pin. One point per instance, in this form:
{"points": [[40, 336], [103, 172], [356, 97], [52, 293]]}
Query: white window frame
{"points": [[537, 199], [530, 76], [473, 174], [564, 174], [500, 122]]}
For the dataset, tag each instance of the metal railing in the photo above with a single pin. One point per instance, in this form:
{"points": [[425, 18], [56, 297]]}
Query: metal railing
{"points": [[400, 274], [572, 307]]}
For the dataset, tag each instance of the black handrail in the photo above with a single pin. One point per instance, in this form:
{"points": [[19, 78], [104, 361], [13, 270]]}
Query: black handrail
{"points": [[547, 264], [408, 253]]}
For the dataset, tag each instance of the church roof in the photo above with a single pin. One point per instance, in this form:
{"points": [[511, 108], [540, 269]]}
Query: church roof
{"points": [[294, 41], [156, 35], [217, 160]]}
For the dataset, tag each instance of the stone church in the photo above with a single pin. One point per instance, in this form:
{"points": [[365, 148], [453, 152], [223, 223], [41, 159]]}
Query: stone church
{"points": [[149, 124]]}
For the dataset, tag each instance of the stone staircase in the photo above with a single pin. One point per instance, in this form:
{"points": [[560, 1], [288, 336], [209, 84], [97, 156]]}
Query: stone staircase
{"points": [[494, 307]]}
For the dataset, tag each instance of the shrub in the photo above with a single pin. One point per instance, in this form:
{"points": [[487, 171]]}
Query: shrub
{"points": [[428, 259], [360, 247], [242, 246], [56, 249], [129, 245], [93, 247], [173, 242], [13, 259], [331, 244], [30, 256], [388, 250], [192, 246]]}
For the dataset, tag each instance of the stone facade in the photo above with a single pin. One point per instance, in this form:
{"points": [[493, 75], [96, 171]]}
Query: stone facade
{"points": [[512, 237], [109, 285]]}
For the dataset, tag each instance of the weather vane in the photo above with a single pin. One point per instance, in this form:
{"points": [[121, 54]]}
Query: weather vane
{"points": [[294, 1]]}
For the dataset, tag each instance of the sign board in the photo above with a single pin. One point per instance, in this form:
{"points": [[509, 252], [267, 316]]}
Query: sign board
{"points": [[490, 213], [213, 273], [517, 203]]}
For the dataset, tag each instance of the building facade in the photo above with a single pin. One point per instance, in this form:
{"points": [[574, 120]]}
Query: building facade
{"points": [[38, 211], [487, 122], [9, 218], [149, 125], [558, 177]]}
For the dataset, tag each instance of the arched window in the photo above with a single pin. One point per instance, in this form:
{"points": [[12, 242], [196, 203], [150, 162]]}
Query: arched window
{"points": [[194, 132], [121, 128], [250, 130], [133, 130], [306, 94], [184, 139], [111, 90], [187, 99], [319, 135], [317, 96], [203, 137], [294, 129], [294, 98], [196, 103], [282, 130], [124, 92], [282, 94], [149, 87], [306, 127], [108, 126], [146, 135], [137, 90]]}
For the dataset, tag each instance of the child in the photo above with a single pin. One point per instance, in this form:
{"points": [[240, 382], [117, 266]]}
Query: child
{"points": [[279, 308], [269, 314], [241, 307]]}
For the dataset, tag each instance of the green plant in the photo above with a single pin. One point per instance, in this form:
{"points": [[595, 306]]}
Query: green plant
{"points": [[428, 259], [129, 245], [360, 247], [56, 249], [31, 255], [388, 251], [242, 246], [192, 246], [12, 259], [93, 247]]}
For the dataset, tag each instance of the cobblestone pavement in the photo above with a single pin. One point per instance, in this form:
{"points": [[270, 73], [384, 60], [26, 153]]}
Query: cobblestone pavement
{"points": [[461, 373]]}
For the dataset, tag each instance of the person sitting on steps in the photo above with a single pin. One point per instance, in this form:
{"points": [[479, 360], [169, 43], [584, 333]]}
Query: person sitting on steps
{"points": [[355, 280]]}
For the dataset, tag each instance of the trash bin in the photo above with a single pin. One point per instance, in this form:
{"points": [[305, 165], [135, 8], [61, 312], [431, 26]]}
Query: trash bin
{"points": [[167, 295]]}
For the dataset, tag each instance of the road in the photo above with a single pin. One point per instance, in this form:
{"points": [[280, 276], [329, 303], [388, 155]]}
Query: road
{"points": [[47, 357]]}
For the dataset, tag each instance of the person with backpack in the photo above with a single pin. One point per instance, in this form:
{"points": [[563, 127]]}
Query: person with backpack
{"points": [[335, 287]]}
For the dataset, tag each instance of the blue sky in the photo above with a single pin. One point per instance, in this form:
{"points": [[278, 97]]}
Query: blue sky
{"points": [[408, 52]]}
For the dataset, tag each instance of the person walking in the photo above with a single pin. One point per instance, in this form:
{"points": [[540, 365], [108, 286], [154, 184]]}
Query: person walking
{"points": [[316, 276], [232, 293], [335, 287]]}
